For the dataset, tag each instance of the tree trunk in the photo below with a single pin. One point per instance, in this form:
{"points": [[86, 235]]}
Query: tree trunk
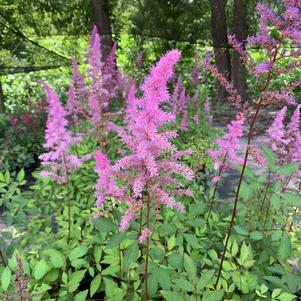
{"points": [[220, 42], [238, 73], [2, 101], [101, 18]]}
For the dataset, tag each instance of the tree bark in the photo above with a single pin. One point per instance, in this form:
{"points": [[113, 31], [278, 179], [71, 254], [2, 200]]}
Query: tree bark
{"points": [[238, 73], [220, 42], [2, 100], [101, 18]]}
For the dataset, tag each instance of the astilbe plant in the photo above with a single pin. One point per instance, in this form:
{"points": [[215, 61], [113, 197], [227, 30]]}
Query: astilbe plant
{"points": [[59, 161], [151, 165], [106, 83], [265, 74]]}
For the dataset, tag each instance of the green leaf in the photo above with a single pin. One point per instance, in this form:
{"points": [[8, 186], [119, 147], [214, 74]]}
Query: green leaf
{"points": [[40, 269], [5, 278], [293, 199], [104, 224], [152, 284], [213, 296], [95, 283], [172, 296], [131, 254], [285, 248], [276, 235], [184, 285], [288, 169], [57, 259], [245, 191], [75, 279], [81, 296], [171, 242], [256, 235], [286, 297], [116, 240], [270, 156], [164, 279], [20, 175], [175, 260], [78, 252], [189, 267], [205, 279]]}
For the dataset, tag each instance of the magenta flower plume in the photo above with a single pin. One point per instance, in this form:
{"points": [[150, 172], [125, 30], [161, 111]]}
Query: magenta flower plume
{"points": [[144, 168], [285, 139], [111, 75], [58, 140], [225, 156], [77, 94], [276, 131], [106, 185], [95, 57]]}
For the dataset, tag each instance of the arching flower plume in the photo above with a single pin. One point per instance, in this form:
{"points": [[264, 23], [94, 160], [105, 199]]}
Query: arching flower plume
{"points": [[59, 140], [144, 168]]}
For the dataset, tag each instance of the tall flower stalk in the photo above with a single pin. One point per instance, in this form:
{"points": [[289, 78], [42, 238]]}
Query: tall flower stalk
{"points": [[58, 161], [151, 163], [265, 72]]}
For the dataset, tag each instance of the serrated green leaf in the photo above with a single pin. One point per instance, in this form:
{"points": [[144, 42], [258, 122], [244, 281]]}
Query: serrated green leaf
{"points": [[104, 224], [288, 169], [40, 269], [131, 254], [116, 240], [20, 175], [95, 283], [256, 235], [189, 267], [81, 296], [164, 279], [205, 279], [175, 260], [57, 259], [293, 199], [213, 296], [75, 279], [270, 156], [152, 284], [172, 296], [5, 278], [285, 248], [184, 285], [78, 252]]}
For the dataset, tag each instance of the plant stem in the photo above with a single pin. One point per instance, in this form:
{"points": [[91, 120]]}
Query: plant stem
{"points": [[250, 134], [69, 199], [266, 191], [147, 248], [2, 258], [140, 230], [215, 189]]}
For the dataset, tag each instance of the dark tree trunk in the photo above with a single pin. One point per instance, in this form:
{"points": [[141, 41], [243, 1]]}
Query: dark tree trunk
{"points": [[2, 101], [220, 42], [101, 18], [239, 30]]}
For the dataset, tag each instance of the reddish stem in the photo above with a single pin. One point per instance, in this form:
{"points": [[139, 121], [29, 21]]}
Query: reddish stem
{"points": [[147, 248], [250, 134]]}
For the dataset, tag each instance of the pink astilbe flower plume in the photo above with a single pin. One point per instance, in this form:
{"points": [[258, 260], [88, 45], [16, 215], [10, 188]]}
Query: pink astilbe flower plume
{"points": [[285, 139], [58, 140], [77, 95], [225, 156], [144, 168]]}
